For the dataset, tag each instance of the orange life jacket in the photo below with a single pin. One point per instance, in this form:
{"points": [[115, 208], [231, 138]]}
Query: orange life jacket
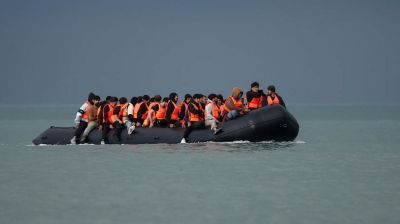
{"points": [[110, 114], [85, 115], [215, 111], [274, 101], [236, 103], [175, 113], [255, 103], [195, 117], [123, 113], [161, 113], [136, 110]]}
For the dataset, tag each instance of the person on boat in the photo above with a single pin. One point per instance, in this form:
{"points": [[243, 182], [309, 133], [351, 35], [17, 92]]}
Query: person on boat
{"points": [[184, 113], [254, 97], [119, 117], [81, 118], [153, 108], [212, 113], [130, 122], [100, 112], [161, 112], [273, 98], [234, 107], [141, 110], [92, 118], [196, 116], [108, 113], [203, 101], [172, 115]]}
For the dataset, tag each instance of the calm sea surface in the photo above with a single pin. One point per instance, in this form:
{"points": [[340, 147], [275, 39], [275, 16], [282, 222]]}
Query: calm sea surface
{"points": [[344, 167]]}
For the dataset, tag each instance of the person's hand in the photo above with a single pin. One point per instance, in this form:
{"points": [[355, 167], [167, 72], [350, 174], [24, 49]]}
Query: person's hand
{"points": [[100, 127], [171, 125], [76, 126], [111, 127]]}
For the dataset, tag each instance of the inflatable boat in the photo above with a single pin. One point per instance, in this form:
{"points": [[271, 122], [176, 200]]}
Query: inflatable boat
{"points": [[264, 124]]}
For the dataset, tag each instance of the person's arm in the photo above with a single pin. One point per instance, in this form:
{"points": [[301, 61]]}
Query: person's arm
{"points": [[249, 96], [209, 112], [130, 113], [116, 113], [155, 107], [142, 110], [80, 112], [281, 102], [170, 109], [105, 113], [231, 106], [182, 113]]}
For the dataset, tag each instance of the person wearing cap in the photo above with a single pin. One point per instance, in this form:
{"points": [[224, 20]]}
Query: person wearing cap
{"points": [[172, 115], [212, 113], [254, 97], [81, 118], [234, 107], [184, 113], [273, 98]]}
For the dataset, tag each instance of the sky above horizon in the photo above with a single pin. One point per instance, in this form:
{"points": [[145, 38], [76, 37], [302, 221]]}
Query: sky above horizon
{"points": [[319, 52]]}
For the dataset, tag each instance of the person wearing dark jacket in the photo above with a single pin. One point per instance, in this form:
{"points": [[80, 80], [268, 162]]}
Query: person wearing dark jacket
{"points": [[81, 119], [108, 112], [142, 110], [183, 114], [255, 97], [172, 115], [273, 98], [196, 116]]}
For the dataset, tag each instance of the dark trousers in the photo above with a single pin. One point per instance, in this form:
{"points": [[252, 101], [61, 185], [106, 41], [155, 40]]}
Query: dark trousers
{"points": [[193, 126], [118, 130], [80, 129], [161, 123]]}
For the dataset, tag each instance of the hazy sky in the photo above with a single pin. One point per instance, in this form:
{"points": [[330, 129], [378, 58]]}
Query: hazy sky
{"points": [[313, 51]]}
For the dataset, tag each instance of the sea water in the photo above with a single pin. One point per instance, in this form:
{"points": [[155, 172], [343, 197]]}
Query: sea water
{"points": [[344, 167]]}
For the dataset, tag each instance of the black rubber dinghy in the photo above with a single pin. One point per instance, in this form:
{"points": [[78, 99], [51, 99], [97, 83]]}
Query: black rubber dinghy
{"points": [[264, 124]]}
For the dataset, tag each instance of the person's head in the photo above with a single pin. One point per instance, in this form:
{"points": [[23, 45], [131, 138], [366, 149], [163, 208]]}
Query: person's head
{"points": [[271, 90], [96, 100], [197, 97], [203, 99], [220, 98], [91, 97], [157, 98], [134, 100], [123, 100], [213, 97], [146, 98], [188, 98], [237, 93], [113, 101], [165, 99], [255, 87], [108, 98], [139, 99], [173, 96], [151, 100]]}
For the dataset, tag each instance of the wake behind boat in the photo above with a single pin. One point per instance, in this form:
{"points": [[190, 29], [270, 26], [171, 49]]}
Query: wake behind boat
{"points": [[264, 124]]}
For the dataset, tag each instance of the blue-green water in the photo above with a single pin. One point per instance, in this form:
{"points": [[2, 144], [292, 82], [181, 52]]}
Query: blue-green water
{"points": [[343, 168]]}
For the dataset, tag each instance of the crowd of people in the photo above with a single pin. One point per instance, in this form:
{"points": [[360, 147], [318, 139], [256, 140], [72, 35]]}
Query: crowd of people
{"points": [[194, 112]]}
